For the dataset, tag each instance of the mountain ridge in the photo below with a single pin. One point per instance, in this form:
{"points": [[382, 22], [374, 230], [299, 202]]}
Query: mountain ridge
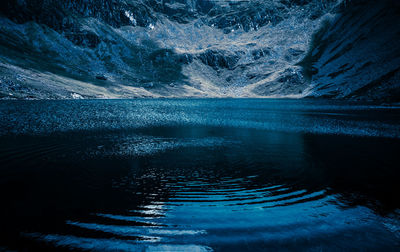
{"points": [[176, 48]]}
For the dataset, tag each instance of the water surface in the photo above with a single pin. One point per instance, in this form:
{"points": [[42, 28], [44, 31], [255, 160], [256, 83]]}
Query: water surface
{"points": [[199, 175]]}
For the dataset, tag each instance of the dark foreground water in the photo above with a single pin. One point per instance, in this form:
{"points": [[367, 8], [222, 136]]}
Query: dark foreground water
{"points": [[199, 175]]}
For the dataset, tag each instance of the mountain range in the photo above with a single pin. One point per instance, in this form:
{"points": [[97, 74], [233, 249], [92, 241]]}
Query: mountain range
{"points": [[74, 49]]}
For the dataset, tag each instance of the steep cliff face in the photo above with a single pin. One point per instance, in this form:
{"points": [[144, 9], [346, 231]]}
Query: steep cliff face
{"points": [[356, 55], [180, 48]]}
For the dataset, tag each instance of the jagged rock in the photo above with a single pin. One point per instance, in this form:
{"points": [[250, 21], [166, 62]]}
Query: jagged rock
{"points": [[292, 77], [53, 12], [293, 54], [219, 59], [84, 38], [259, 53], [290, 82], [61, 15]]}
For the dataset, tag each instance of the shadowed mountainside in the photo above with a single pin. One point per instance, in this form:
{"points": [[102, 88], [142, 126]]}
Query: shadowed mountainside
{"points": [[196, 48], [357, 54]]}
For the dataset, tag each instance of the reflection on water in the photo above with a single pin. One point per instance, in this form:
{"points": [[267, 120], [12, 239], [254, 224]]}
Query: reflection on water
{"points": [[200, 187]]}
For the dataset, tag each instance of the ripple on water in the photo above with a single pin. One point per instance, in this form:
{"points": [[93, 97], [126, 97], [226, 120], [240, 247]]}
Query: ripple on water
{"points": [[197, 220], [228, 214], [206, 177]]}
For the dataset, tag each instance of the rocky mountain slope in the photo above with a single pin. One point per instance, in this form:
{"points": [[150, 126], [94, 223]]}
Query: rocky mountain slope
{"points": [[356, 55], [189, 48]]}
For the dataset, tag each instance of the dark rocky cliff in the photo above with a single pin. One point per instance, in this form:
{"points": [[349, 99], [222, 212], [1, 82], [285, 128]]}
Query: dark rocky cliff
{"points": [[357, 54]]}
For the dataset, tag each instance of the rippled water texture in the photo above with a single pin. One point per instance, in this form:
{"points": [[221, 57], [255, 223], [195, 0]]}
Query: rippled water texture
{"points": [[199, 175]]}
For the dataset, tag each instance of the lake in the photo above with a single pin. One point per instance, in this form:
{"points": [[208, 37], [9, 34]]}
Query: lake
{"points": [[199, 175]]}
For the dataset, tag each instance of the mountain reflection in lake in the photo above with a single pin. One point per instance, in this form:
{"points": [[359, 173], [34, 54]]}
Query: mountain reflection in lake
{"points": [[199, 175]]}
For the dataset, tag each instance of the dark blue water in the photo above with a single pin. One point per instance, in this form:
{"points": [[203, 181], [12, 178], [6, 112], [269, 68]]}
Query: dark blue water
{"points": [[199, 175]]}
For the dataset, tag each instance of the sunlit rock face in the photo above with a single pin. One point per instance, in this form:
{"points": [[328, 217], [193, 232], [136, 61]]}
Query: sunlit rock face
{"points": [[356, 55], [154, 48]]}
